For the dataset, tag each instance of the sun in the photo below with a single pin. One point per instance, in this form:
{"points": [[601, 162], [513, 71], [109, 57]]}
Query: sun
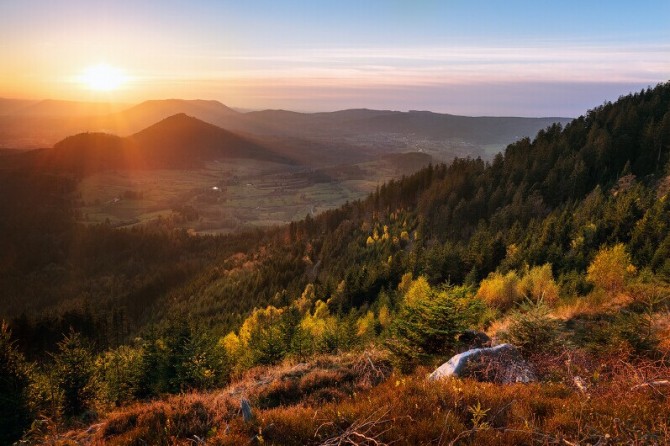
{"points": [[103, 77]]}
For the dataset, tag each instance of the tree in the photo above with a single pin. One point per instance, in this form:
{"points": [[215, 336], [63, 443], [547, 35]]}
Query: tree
{"points": [[427, 324], [538, 284], [119, 372], [149, 382], [610, 268], [15, 413], [74, 373], [262, 336], [500, 291]]}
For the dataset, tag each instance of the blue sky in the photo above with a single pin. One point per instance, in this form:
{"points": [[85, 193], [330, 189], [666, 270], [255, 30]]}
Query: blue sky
{"points": [[466, 57]]}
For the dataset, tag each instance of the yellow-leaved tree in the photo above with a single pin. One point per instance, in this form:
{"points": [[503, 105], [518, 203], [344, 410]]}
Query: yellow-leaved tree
{"points": [[500, 290], [611, 269], [318, 324], [538, 285]]}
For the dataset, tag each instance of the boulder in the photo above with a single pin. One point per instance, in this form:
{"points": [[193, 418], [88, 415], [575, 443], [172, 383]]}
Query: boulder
{"points": [[501, 364]]}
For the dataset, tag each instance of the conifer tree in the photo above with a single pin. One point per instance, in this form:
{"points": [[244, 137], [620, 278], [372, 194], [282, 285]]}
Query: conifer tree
{"points": [[427, 324], [74, 371], [15, 414]]}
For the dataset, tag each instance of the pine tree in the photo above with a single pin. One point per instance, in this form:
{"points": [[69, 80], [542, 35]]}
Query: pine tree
{"points": [[74, 371], [15, 413], [426, 325], [149, 381]]}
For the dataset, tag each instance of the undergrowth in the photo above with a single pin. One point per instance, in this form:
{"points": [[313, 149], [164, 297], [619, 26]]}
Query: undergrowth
{"points": [[354, 400]]}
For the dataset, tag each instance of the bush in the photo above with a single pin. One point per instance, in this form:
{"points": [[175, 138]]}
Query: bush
{"points": [[538, 285], [504, 291]]}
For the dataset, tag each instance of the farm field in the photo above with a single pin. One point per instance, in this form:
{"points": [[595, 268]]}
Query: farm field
{"points": [[225, 196]]}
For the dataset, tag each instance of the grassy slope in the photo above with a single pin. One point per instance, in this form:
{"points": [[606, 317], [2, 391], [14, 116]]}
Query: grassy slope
{"points": [[332, 400]]}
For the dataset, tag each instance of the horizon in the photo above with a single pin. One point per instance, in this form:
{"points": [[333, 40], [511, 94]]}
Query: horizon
{"points": [[461, 58], [123, 106]]}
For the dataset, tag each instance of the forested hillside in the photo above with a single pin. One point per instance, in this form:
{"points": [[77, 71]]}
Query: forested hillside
{"points": [[561, 245]]}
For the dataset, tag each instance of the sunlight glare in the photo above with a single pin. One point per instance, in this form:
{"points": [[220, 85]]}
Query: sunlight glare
{"points": [[103, 77]]}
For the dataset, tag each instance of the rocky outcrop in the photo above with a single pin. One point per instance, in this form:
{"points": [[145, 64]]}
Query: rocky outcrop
{"points": [[500, 364]]}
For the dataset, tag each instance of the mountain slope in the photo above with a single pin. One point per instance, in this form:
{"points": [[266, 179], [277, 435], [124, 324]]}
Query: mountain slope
{"points": [[181, 138], [554, 199], [91, 152], [152, 111], [485, 130], [316, 139], [177, 142]]}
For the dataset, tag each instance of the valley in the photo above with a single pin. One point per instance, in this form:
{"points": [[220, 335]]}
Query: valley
{"points": [[209, 169], [232, 195]]}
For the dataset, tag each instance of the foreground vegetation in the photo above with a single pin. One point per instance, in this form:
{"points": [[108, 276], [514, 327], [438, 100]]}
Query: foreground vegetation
{"points": [[407, 410], [559, 246]]}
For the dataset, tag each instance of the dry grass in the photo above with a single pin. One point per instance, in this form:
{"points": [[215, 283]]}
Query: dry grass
{"points": [[662, 326], [596, 302], [581, 400], [216, 416]]}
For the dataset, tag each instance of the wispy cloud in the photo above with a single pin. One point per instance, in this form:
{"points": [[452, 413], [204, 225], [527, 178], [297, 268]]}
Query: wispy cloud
{"points": [[431, 65], [540, 79]]}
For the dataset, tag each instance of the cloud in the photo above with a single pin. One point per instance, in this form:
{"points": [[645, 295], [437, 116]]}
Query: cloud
{"points": [[454, 65]]}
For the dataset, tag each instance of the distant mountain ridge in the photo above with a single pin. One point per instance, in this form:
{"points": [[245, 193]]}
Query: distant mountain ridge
{"points": [[179, 141], [149, 112], [204, 141], [314, 138]]}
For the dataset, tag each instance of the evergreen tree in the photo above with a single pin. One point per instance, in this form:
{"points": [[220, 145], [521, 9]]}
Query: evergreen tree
{"points": [[149, 382], [426, 324], [74, 373], [15, 413]]}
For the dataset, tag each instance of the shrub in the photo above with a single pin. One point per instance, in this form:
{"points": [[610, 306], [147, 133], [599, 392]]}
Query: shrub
{"points": [[504, 291]]}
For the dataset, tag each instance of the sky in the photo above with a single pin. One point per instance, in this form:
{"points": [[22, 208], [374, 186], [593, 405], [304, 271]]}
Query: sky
{"points": [[521, 58]]}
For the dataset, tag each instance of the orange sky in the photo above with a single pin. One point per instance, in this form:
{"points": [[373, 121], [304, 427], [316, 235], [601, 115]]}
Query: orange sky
{"points": [[452, 56]]}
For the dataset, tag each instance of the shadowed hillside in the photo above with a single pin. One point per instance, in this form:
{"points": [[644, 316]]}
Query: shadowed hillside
{"points": [[177, 142], [182, 138]]}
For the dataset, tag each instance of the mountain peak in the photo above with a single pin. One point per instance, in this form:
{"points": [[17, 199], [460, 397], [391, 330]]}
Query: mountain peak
{"points": [[184, 138], [190, 106]]}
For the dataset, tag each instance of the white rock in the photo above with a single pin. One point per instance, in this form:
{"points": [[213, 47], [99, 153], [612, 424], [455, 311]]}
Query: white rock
{"points": [[501, 363]]}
